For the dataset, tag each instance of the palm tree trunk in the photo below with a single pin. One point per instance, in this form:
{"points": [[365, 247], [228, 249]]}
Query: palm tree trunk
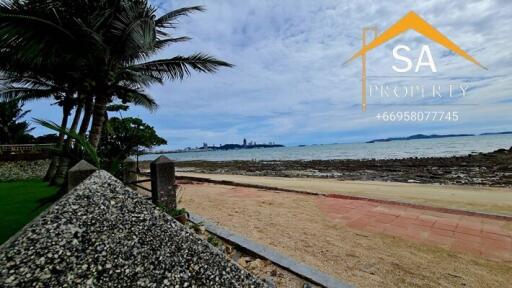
{"points": [[100, 106], [84, 126], [62, 170], [60, 174], [6, 139], [74, 124], [52, 169]]}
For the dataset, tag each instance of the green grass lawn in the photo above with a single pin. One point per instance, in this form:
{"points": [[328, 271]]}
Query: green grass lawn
{"points": [[20, 202]]}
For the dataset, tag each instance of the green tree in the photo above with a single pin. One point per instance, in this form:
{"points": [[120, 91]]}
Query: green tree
{"points": [[47, 139], [125, 137], [13, 130]]}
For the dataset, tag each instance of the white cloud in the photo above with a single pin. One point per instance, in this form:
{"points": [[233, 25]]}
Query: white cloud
{"points": [[290, 85]]}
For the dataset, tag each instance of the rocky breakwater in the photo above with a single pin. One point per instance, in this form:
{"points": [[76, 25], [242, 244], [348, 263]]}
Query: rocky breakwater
{"points": [[104, 234]]}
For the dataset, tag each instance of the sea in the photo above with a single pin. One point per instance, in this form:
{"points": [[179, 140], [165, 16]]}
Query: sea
{"points": [[438, 147]]}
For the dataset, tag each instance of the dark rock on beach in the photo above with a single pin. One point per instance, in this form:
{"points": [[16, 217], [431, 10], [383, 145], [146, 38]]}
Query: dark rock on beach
{"points": [[489, 169]]}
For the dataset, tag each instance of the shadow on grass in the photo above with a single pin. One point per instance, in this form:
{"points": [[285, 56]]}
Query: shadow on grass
{"points": [[47, 201]]}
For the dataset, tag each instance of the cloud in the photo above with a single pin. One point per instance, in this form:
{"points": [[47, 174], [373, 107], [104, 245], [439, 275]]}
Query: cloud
{"points": [[290, 85]]}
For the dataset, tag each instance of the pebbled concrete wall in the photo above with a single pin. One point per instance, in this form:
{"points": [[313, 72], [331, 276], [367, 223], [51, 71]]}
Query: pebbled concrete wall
{"points": [[103, 234]]}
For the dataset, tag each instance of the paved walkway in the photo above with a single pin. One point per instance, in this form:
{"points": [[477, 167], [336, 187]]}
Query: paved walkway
{"points": [[485, 237], [480, 236]]}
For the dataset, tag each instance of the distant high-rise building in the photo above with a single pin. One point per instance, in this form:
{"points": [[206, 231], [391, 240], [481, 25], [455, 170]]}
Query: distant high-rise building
{"points": [[245, 142]]}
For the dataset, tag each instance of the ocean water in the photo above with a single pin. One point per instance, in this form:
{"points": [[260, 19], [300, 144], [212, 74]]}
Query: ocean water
{"points": [[383, 150]]}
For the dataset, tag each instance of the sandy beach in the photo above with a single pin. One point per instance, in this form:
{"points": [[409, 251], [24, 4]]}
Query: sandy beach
{"points": [[378, 243], [329, 236], [474, 198]]}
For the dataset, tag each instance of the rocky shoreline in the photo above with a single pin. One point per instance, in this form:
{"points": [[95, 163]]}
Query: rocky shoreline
{"points": [[487, 169]]}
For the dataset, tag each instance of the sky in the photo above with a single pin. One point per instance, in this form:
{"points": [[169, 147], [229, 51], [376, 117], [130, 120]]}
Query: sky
{"points": [[291, 85]]}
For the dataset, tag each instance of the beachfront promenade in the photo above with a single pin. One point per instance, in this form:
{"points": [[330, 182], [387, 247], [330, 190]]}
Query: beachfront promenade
{"points": [[368, 243]]}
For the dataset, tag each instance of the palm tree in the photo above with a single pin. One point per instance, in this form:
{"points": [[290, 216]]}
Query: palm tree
{"points": [[96, 49], [12, 128], [107, 41], [136, 34], [29, 88]]}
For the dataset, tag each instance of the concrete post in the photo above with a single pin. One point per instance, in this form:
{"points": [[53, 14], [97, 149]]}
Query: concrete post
{"points": [[129, 169], [162, 182], [78, 173]]}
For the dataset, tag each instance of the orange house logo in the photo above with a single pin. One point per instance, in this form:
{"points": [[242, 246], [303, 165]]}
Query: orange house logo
{"points": [[411, 21]]}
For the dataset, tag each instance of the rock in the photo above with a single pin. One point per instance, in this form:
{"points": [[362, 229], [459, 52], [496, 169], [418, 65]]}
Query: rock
{"points": [[270, 282], [229, 249], [244, 261], [236, 255], [19, 170], [256, 264], [369, 268], [434, 170]]}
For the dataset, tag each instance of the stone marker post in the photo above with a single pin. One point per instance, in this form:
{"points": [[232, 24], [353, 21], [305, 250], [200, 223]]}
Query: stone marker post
{"points": [[129, 169], [162, 182], [78, 173]]}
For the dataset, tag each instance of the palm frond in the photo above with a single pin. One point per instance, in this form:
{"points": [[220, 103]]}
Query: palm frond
{"points": [[89, 35], [29, 44], [137, 97], [20, 19], [178, 67], [28, 81], [166, 20], [80, 140], [134, 30], [26, 94], [22, 115], [162, 43], [131, 78]]}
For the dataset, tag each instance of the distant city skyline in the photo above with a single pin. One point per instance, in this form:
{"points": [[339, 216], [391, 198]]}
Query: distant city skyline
{"points": [[290, 85], [243, 143]]}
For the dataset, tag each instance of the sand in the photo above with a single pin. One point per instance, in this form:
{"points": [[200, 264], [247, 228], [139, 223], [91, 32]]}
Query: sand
{"points": [[292, 224], [475, 198]]}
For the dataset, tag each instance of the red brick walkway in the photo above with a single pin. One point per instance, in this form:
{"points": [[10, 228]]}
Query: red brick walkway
{"points": [[480, 236]]}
